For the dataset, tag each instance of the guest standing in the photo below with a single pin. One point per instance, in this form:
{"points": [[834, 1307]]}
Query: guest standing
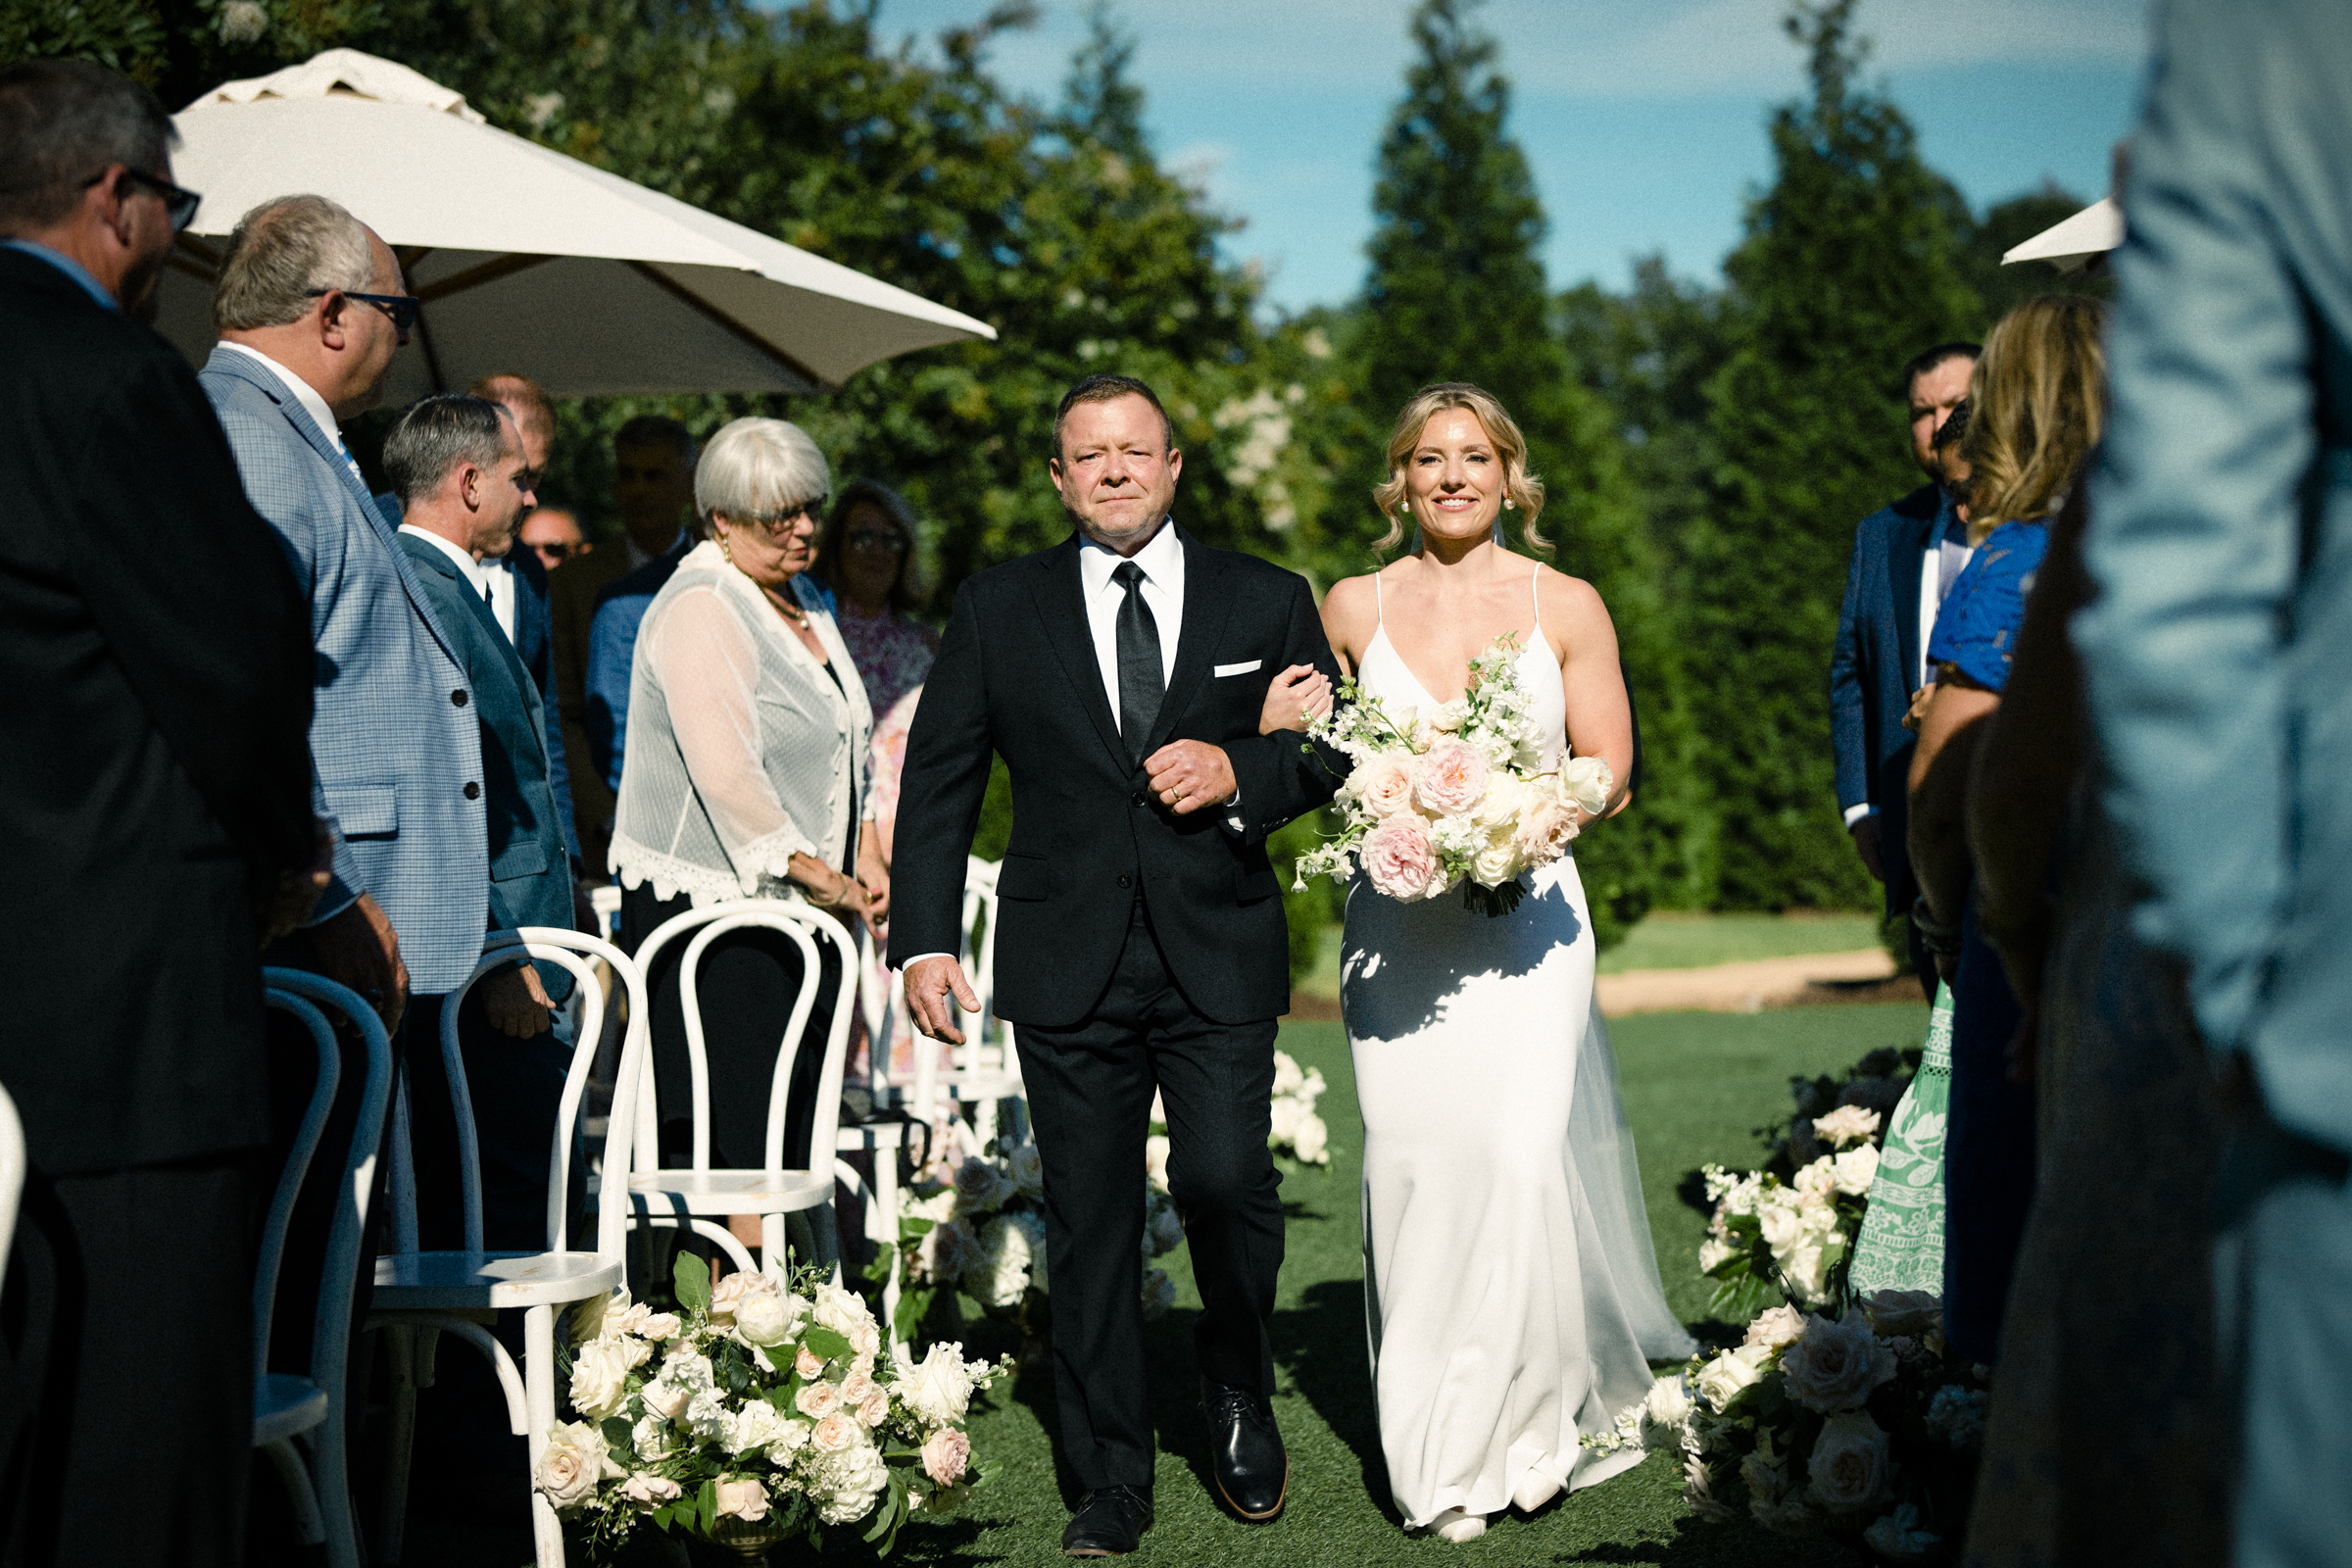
{"points": [[746, 777], [1907, 555], [553, 534], [652, 485], [311, 311], [2036, 404], [2221, 551], [156, 823], [869, 559]]}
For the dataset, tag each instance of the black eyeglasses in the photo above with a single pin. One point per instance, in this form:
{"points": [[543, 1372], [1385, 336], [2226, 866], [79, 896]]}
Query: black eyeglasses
{"points": [[401, 308], [179, 204]]}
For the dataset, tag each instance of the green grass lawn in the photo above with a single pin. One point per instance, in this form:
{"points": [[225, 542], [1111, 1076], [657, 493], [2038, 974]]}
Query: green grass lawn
{"points": [[1675, 939], [1693, 1084]]}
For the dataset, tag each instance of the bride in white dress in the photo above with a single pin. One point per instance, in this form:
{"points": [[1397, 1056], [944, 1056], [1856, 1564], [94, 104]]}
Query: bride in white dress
{"points": [[1511, 1293]]}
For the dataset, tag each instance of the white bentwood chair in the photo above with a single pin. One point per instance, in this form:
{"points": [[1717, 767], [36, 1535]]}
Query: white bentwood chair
{"points": [[12, 1176], [292, 1412], [695, 1197], [420, 1294]]}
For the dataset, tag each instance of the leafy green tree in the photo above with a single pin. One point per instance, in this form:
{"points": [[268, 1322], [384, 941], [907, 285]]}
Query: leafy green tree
{"points": [[1849, 266]]}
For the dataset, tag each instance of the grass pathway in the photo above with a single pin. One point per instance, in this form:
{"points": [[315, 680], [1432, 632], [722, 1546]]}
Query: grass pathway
{"points": [[1695, 1084]]}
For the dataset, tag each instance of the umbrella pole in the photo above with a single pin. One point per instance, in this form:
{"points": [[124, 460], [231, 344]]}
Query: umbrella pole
{"points": [[432, 360]]}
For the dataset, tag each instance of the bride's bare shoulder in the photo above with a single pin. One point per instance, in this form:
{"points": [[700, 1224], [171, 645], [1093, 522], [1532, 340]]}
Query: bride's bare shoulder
{"points": [[1570, 599], [1350, 611]]}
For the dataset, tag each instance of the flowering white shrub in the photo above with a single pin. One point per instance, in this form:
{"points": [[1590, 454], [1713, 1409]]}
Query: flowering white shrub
{"points": [[1452, 797], [763, 1401]]}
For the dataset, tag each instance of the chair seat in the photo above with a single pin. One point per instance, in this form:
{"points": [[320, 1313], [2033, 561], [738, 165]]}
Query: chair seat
{"points": [[728, 1192], [444, 1281], [871, 1135], [982, 1082], [285, 1404]]}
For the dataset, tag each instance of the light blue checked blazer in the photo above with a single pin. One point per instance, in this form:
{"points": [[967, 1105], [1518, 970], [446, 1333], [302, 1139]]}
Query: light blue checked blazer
{"points": [[2221, 538], [394, 748]]}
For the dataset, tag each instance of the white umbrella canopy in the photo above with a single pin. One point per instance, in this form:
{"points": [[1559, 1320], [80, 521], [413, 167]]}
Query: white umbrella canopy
{"points": [[527, 261], [2076, 242]]}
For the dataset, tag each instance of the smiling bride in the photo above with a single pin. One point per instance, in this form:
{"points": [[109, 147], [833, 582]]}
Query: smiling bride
{"points": [[1511, 1292]]}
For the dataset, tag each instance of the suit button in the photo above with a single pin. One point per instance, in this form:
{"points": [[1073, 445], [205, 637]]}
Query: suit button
{"points": [[1126, 881], [474, 790], [457, 698], [1137, 799]]}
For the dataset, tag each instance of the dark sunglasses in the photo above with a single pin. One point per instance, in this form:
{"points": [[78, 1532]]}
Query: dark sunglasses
{"points": [[401, 308], [179, 204]]}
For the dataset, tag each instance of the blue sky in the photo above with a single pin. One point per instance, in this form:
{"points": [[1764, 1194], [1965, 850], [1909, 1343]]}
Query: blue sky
{"points": [[1644, 119]]}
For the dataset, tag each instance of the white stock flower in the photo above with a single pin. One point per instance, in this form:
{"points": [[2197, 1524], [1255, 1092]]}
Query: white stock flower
{"points": [[1312, 1142], [1668, 1408], [1849, 1464], [1287, 1077], [853, 1479], [1836, 1365], [1855, 1169], [1714, 1252], [1782, 1226], [790, 1436], [1847, 1124], [1821, 1176], [1720, 1381], [938, 1208], [644, 1439], [1282, 1118], [1806, 1268]]}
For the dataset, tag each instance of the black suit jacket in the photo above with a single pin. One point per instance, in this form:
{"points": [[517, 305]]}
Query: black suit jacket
{"points": [[153, 741], [1016, 674]]}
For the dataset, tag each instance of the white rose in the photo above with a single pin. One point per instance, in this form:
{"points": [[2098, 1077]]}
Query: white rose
{"points": [[1847, 1124], [1586, 783], [1919, 1314], [807, 1364], [661, 1327], [745, 1499], [1777, 1329], [835, 1430], [1027, 1167], [865, 1340], [644, 1437], [1782, 1225], [1855, 1169], [1720, 1381], [728, 1293], [1382, 785], [1836, 1365], [1286, 1076], [1497, 862], [1807, 1270], [980, 1187], [875, 1408], [667, 1400], [841, 1310], [599, 1378], [754, 1427], [1819, 1177], [1156, 1160], [1849, 1464], [1312, 1144], [936, 1388], [817, 1400], [857, 1385], [648, 1490], [574, 1461], [1281, 1119], [771, 1317]]}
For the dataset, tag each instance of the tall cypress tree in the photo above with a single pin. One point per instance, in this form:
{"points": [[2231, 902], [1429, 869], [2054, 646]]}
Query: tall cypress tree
{"points": [[1457, 292], [1848, 268]]}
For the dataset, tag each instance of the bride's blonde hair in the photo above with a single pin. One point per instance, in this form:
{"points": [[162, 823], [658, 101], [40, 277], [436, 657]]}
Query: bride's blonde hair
{"points": [[1519, 486]]}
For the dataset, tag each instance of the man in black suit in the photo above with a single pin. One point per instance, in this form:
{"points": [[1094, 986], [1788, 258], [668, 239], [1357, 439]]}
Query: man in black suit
{"points": [[1121, 675], [156, 825]]}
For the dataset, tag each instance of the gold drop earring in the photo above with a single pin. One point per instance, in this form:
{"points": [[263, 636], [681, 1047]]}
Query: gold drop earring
{"points": [[725, 554]]}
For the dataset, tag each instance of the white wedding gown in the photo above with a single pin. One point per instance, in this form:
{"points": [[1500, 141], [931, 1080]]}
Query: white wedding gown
{"points": [[1511, 1292]]}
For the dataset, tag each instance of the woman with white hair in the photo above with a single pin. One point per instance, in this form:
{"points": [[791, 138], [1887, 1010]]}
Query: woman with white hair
{"points": [[746, 776]]}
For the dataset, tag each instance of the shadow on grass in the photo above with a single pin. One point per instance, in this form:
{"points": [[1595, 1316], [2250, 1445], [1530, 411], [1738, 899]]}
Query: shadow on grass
{"points": [[1693, 1191], [1699, 1545], [1320, 1343]]}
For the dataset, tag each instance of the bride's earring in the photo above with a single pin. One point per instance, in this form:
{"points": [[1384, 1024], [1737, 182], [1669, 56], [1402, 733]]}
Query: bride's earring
{"points": [[1508, 505]]}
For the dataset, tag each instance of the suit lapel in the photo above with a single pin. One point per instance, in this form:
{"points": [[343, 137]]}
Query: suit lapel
{"points": [[426, 557], [1909, 567], [1059, 592], [1206, 608]]}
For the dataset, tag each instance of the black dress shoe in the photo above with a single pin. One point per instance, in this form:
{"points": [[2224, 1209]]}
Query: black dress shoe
{"points": [[1110, 1523], [1244, 1451]]}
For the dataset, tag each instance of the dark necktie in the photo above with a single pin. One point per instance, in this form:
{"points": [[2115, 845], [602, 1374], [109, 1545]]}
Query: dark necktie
{"points": [[1142, 682]]}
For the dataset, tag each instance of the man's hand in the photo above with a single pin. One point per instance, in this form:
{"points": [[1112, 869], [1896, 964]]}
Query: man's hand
{"points": [[1191, 777], [296, 894], [1865, 830], [929, 983], [358, 948], [874, 876], [517, 1003]]}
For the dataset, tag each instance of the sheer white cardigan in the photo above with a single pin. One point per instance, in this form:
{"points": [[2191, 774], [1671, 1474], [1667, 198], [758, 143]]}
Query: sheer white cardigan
{"points": [[742, 749]]}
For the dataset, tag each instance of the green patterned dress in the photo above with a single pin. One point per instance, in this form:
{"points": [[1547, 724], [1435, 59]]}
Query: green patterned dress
{"points": [[1901, 1247]]}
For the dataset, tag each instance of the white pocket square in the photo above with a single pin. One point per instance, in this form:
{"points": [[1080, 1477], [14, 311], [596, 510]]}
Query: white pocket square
{"points": [[1243, 669]]}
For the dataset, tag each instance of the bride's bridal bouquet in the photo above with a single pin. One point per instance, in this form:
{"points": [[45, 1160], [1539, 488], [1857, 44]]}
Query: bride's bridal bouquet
{"points": [[1455, 797]]}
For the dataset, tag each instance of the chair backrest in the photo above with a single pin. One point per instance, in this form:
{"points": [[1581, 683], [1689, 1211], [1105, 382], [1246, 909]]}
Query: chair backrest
{"points": [[809, 929], [12, 1175], [980, 909], [569, 951], [308, 996]]}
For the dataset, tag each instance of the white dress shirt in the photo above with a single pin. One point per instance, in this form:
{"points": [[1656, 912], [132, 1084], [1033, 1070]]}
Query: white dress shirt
{"points": [[1946, 560], [1162, 563], [498, 576], [312, 403]]}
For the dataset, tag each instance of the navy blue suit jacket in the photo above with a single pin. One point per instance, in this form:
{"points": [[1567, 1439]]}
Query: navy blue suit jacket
{"points": [[1874, 669]]}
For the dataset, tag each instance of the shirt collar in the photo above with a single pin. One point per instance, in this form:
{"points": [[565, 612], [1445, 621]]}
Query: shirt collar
{"points": [[304, 393], [468, 566], [67, 266], [1161, 561]]}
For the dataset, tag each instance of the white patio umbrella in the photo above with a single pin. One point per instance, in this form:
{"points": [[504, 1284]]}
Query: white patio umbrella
{"points": [[527, 259], [2074, 244]]}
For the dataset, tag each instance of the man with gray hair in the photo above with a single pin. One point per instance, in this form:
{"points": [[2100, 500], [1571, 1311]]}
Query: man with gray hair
{"points": [[156, 824], [310, 312]]}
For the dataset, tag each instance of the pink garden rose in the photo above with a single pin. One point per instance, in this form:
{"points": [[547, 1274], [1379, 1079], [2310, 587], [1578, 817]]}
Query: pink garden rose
{"points": [[946, 1453], [1451, 778], [1544, 829], [1385, 784], [1397, 856]]}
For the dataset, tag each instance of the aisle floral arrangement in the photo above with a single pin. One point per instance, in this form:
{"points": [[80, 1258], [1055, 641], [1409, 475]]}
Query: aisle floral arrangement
{"points": [[762, 1410], [982, 1231], [1864, 1426], [1873, 1084], [1452, 798], [1769, 1239]]}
